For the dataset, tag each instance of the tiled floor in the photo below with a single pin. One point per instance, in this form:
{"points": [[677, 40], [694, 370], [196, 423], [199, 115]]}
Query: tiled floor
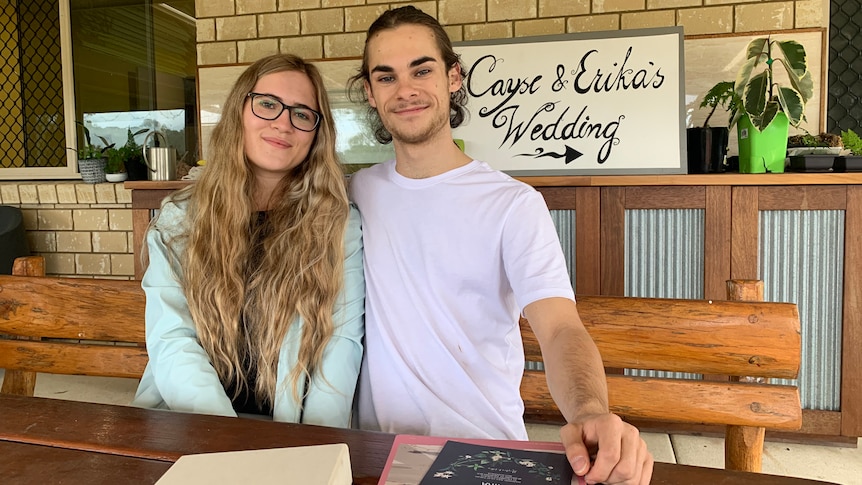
{"points": [[830, 463]]}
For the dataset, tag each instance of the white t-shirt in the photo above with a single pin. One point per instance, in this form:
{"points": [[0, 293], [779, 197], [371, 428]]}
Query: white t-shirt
{"points": [[450, 262]]}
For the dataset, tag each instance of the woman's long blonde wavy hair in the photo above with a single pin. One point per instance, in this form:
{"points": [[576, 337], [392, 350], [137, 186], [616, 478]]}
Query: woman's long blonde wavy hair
{"points": [[300, 272]]}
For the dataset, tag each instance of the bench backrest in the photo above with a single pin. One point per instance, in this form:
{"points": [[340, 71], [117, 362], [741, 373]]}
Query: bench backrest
{"points": [[730, 338], [89, 327]]}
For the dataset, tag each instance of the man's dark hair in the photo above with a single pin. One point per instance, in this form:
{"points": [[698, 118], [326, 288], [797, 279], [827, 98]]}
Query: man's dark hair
{"points": [[391, 19]]}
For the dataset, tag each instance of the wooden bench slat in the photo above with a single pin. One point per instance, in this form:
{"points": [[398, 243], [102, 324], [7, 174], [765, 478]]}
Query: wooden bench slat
{"points": [[72, 308], [720, 337], [73, 358], [682, 401]]}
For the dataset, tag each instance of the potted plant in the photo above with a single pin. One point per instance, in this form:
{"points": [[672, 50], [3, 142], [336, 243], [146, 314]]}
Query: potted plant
{"points": [[92, 158], [853, 144], [707, 145], [115, 169], [813, 153], [767, 108], [133, 157]]}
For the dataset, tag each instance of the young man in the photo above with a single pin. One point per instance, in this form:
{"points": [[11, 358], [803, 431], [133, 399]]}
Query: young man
{"points": [[454, 250]]}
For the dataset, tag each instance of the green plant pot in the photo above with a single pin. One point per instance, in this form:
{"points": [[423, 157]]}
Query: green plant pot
{"points": [[763, 151]]}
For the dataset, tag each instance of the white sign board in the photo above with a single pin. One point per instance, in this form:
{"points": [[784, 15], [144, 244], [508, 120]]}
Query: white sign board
{"points": [[597, 103]]}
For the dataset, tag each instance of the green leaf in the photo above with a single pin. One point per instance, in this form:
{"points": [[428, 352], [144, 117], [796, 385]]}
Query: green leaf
{"points": [[801, 81], [793, 54], [754, 97], [757, 48], [792, 104], [743, 76]]}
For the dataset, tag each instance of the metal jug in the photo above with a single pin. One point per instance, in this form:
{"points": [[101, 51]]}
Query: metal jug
{"points": [[161, 161]]}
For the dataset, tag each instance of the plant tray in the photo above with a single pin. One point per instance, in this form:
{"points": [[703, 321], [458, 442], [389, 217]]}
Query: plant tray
{"points": [[812, 163], [848, 164]]}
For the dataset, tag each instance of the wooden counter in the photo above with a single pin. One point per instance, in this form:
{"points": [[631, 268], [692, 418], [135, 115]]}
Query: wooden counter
{"points": [[732, 206]]}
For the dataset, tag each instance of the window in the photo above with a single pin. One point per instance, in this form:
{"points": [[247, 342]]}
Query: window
{"points": [[114, 65]]}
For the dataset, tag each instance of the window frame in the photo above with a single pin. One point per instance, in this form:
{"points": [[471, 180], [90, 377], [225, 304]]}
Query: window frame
{"points": [[70, 171]]}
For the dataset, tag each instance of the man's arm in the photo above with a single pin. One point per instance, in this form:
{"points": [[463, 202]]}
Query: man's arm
{"points": [[576, 379]]}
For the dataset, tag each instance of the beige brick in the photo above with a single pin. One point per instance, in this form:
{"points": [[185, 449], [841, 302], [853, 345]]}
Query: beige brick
{"points": [[31, 219], [217, 53], [213, 8], [74, 242], [724, 2], [455, 33], [131, 236], [120, 219], [54, 219], [656, 4], [526, 28], [111, 242], [93, 264], [602, 6], [205, 30], [86, 194], [90, 219], [360, 18], [593, 23], [322, 21], [556, 8], [235, 28], [511, 10], [42, 241], [66, 194], [462, 11], [124, 195], [29, 194], [298, 4], [252, 50], [307, 47], [9, 194], [645, 20], [369, 2], [428, 7], [343, 45], [812, 13], [254, 6], [278, 24], [708, 20], [59, 263], [122, 264], [499, 30], [342, 3], [769, 16], [105, 194], [47, 193]]}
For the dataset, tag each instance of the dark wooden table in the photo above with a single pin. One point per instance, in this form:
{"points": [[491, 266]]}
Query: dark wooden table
{"points": [[49, 440]]}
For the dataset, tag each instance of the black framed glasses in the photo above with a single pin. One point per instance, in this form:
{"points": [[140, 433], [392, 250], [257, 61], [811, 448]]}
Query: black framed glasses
{"points": [[267, 107]]}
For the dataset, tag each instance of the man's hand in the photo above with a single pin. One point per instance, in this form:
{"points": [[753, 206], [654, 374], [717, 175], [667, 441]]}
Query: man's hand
{"points": [[621, 456]]}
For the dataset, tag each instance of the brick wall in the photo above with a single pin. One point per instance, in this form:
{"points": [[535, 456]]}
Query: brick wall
{"points": [[241, 31], [81, 229]]}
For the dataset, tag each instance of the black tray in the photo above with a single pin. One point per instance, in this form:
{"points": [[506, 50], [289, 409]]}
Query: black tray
{"points": [[812, 163], [851, 163]]}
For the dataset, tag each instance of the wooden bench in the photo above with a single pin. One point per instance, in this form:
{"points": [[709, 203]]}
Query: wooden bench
{"points": [[732, 338], [92, 327], [753, 340]]}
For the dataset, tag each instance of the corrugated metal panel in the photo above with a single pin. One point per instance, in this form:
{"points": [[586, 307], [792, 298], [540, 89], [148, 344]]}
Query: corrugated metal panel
{"points": [[802, 261], [664, 259], [564, 221]]}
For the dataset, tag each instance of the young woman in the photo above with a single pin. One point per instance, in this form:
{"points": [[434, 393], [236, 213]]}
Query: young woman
{"points": [[255, 290]]}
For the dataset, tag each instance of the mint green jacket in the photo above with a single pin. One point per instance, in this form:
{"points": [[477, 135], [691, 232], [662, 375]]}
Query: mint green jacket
{"points": [[180, 376]]}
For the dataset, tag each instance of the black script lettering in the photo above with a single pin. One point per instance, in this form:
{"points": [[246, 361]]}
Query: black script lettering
{"points": [[506, 116], [506, 88], [559, 83], [610, 135], [621, 78]]}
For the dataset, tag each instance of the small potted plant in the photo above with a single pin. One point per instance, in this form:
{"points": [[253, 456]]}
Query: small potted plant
{"points": [[853, 144], [813, 153], [92, 158], [767, 109], [707, 145], [133, 157], [115, 169]]}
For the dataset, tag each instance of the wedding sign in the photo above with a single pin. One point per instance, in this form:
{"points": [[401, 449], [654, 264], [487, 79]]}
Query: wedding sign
{"points": [[597, 103]]}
